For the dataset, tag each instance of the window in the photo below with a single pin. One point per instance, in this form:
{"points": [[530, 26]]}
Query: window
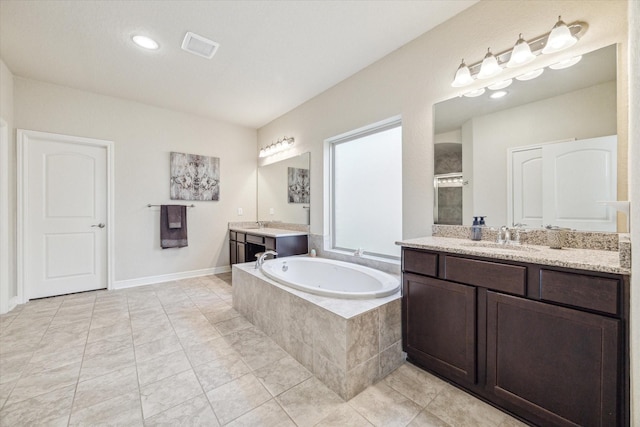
{"points": [[367, 189]]}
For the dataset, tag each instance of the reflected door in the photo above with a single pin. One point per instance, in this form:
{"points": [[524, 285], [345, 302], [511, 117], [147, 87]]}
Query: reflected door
{"points": [[65, 201], [562, 184], [577, 175]]}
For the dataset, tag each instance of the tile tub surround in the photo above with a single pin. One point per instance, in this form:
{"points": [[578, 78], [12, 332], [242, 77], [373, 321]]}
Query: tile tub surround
{"points": [[346, 344]]}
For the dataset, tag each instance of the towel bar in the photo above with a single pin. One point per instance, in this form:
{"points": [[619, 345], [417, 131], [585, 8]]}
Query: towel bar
{"points": [[189, 206]]}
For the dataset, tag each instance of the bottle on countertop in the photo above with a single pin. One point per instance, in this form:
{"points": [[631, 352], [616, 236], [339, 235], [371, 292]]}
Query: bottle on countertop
{"points": [[476, 231]]}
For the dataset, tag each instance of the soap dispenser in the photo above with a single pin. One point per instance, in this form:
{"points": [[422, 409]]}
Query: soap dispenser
{"points": [[476, 231]]}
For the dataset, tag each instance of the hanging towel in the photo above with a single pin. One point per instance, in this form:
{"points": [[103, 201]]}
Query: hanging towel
{"points": [[173, 226]]}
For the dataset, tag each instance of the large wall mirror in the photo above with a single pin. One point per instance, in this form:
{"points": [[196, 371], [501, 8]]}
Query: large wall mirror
{"points": [[494, 156], [283, 190]]}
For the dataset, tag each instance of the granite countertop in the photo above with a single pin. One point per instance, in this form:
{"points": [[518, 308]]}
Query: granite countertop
{"points": [[269, 232], [584, 259]]}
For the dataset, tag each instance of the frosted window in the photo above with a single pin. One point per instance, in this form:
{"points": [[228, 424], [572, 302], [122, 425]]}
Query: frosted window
{"points": [[367, 192]]}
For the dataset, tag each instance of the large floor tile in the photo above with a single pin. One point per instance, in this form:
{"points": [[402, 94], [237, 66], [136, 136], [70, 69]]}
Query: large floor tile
{"points": [[309, 402], [221, 370], [461, 409], [44, 382], [383, 406], [123, 410], [51, 408], [414, 383], [280, 376], [105, 387], [196, 412], [237, 397], [169, 392], [269, 414], [167, 365]]}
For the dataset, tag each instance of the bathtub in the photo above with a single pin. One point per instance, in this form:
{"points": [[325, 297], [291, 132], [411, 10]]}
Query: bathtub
{"points": [[331, 278]]}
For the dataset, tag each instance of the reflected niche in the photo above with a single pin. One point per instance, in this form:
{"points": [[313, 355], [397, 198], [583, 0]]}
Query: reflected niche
{"points": [[284, 191], [447, 179]]}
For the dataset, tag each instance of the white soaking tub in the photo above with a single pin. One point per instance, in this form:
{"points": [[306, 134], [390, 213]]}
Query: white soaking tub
{"points": [[331, 278]]}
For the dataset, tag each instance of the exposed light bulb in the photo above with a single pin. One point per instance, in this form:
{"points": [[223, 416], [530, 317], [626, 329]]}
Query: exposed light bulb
{"points": [[490, 67], [560, 38], [521, 54], [463, 76]]}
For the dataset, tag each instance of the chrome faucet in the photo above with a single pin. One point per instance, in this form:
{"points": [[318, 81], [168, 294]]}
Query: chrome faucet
{"points": [[262, 255], [504, 235]]}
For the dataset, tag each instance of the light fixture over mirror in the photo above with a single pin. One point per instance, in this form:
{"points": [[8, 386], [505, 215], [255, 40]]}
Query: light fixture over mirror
{"points": [[561, 37], [282, 144]]}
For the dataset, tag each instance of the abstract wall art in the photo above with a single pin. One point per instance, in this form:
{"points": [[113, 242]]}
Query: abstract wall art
{"points": [[298, 184], [194, 177]]}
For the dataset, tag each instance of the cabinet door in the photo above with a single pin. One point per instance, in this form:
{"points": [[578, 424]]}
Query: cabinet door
{"points": [[233, 252], [439, 326], [241, 253], [556, 363]]}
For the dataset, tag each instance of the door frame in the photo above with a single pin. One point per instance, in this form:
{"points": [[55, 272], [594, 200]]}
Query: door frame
{"points": [[22, 145], [5, 296]]}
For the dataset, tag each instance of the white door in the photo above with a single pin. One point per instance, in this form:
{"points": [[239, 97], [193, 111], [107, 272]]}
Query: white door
{"points": [[527, 187], [65, 204], [578, 175]]}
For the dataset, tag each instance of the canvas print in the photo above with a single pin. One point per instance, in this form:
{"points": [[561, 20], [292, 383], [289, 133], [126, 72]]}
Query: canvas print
{"points": [[194, 177], [298, 185]]}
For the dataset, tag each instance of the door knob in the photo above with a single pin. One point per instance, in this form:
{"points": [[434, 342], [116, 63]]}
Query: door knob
{"points": [[101, 225]]}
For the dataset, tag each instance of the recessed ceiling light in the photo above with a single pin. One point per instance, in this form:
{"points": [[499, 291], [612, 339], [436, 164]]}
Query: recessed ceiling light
{"points": [[498, 94], [145, 42]]}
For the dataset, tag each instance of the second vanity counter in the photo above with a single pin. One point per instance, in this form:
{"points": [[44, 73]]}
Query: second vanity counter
{"points": [[269, 232], [583, 259]]}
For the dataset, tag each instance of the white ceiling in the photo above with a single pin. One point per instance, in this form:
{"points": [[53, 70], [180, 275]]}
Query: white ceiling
{"points": [[273, 55]]}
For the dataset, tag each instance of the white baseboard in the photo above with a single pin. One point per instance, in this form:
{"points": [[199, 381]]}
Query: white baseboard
{"points": [[149, 280], [11, 304]]}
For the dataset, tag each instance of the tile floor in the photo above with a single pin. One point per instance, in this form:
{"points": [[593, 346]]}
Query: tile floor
{"points": [[177, 353]]}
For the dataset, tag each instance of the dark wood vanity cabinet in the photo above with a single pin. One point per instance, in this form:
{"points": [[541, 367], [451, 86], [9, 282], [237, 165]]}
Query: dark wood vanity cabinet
{"points": [[244, 246], [546, 344]]}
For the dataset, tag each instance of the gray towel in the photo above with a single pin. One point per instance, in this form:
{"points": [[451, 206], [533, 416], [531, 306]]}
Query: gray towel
{"points": [[172, 237]]}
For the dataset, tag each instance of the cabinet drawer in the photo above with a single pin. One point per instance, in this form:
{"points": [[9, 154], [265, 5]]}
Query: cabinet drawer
{"points": [[270, 243], [485, 274], [420, 262], [255, 239], [240, 237], [233, 235], [580, 290]]}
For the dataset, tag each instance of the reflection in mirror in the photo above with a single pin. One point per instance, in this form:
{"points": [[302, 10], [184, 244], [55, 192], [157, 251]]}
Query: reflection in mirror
{"points": [[477, 138], [283, 190]]}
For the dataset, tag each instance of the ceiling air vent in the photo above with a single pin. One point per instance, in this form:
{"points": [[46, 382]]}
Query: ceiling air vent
{"points": [[199, 45]]}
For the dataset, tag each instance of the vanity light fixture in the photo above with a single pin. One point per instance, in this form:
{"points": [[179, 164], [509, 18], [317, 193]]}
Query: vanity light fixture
{"points": [[463, 76], [282, 144], [523, 52], [145, 42], [490, 67], [566, 63], [530, 75], [560, 38]]}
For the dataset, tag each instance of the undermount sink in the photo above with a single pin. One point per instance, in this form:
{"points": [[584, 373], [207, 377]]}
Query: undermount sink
{"points": [[506, 247]]}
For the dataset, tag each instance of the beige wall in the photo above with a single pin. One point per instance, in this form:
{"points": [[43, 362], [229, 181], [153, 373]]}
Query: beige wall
{"points": [[144, 136], [7, 193]]}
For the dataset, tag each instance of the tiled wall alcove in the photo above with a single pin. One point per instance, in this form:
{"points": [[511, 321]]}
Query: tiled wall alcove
{"points": [[346, 344]]}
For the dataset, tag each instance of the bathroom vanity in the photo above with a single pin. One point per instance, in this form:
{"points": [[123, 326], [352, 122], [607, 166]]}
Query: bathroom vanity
{"points": [[542, 336], [245, 243]]}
